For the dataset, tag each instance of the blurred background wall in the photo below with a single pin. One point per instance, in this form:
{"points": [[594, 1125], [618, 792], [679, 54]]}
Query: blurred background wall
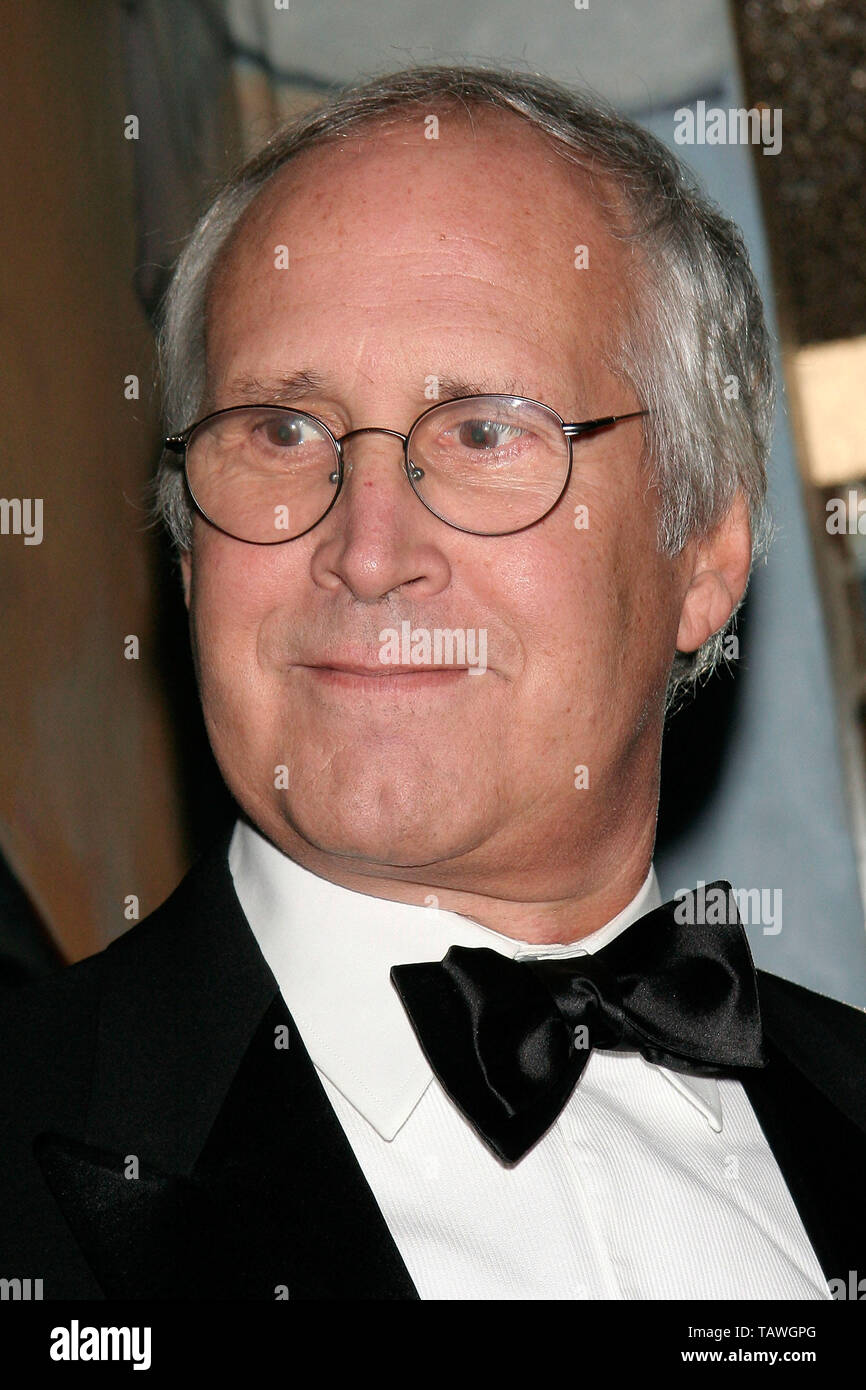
{"points": [[95, 815], [107, 788]]}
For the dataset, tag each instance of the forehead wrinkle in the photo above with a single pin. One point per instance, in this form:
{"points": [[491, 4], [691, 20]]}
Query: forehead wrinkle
{"points": [[444, 242], [511, 277]]}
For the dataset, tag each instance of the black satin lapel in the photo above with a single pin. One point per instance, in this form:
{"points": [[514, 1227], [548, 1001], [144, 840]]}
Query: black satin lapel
{"points": [[275, 1207], [280, 1169], [822, 1156], [247, 1181], [152, 1236], [182, 996]]}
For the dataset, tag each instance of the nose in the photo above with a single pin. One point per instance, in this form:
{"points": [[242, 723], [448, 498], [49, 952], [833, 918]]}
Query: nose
{"points": [[379, 537]]}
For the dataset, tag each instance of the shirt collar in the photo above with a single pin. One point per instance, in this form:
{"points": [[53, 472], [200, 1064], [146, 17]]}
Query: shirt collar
{"points": [[331, 950]]}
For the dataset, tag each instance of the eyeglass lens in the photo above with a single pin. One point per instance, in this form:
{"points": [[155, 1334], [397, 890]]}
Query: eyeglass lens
{"points": [[489, 464]]}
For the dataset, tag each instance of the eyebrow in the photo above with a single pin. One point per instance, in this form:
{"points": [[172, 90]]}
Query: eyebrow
{"points": [[451, 388], [290, 387], [283, 389]]}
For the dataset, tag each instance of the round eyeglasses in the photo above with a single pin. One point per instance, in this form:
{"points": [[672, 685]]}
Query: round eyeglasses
{"points": [[488, 465]]}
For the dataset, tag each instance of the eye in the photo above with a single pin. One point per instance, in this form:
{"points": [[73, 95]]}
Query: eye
{"points": [[287, 432], [486, 434]]}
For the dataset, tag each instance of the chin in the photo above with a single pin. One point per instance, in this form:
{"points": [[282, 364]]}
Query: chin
{"points": [[409, 841]]}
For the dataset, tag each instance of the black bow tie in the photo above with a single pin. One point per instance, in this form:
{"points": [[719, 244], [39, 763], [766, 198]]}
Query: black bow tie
{"points": [[509, 1039]]}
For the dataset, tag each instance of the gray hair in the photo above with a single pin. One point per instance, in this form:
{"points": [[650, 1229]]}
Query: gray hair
{"points": [[693, 343]]}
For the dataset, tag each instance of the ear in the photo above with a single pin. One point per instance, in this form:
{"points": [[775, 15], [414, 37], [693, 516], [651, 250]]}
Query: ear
{"points": [[720, 567], [186, 574]]}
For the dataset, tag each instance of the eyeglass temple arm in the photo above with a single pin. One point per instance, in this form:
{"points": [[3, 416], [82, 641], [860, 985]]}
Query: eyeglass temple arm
{"points": [[585, 426]]}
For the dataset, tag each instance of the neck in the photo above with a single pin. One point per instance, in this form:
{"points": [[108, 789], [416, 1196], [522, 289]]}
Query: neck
{"points": [[555, 905]]}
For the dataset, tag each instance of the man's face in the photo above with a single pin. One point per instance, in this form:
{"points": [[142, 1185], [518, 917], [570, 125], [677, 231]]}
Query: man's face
{"points": [[411, 259]]}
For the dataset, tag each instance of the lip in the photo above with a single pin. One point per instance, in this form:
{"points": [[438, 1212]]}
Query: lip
{"points": [[385, 677]]}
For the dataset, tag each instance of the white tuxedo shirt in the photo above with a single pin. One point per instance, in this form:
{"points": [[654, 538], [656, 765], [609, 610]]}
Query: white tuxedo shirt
{"points": [[651, 1184]]}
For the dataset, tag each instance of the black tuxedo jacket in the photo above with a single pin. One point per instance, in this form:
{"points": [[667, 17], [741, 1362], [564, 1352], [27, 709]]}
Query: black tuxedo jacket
{"points": [[165, 1135]]}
